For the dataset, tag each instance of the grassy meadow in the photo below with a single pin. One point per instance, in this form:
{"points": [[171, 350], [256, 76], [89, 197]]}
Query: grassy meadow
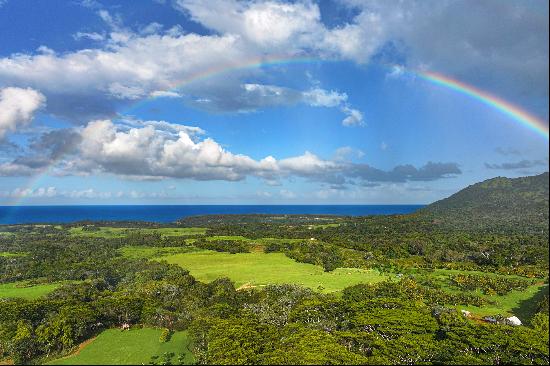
{"points": [[131, 347], [260, 269], [24, 290]]}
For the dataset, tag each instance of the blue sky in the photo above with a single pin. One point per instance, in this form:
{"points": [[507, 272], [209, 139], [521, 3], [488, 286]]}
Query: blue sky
{"points": [[96, 106]]}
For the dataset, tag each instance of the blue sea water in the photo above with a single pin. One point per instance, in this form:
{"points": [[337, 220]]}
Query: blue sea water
{"points": [[163, 214]]}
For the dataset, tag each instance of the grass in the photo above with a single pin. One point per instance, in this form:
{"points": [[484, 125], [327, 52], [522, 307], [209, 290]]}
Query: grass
{"points": [[322, 226], [516, 302], [227, 237], [118, 232], [260, 269], [133, 347], [23, 290], [12, 254]]}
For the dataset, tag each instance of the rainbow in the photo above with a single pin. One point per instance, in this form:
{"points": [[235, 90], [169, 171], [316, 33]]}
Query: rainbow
{"points": [[514, 112], [227, 68]]}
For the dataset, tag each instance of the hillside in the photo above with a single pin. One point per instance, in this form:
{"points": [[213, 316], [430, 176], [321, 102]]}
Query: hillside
{"points": [[498, 204]]}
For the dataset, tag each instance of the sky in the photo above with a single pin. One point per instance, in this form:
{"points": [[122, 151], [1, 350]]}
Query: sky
{"points": [[267, 102]]}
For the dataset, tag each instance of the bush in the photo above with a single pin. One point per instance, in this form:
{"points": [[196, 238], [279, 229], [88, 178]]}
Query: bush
{"points": [[165, 335]]}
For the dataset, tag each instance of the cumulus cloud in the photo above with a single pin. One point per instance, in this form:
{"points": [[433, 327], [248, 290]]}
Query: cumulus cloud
{"points": [[94, 83], [478, 43], [354, 117], [155, 150], [17, 107], [89, 83]]}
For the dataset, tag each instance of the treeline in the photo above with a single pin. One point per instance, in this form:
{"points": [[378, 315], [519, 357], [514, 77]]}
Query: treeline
{"points": [[230, 246], [387, 323], [490, 285], [376, 324], [402, 237]]}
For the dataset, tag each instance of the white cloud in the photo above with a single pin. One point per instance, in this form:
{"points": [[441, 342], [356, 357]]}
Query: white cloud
{"points": [[318, 97], [290, 27], [94, 36], [17, 108], [155, 150], [86, 193], [165, 94], [130, 67], [137, 64], [29, 192], [354, 117], [150, 62], [268, 24], [11, 169]]}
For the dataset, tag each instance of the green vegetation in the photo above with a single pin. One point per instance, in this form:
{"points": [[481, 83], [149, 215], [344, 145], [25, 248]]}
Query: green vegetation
{"points": [[9, 254], [131, 347], [497, 204], [287, 289], [514, 303], [26, 290], [117, 232], [137, 252], [259, 269]]}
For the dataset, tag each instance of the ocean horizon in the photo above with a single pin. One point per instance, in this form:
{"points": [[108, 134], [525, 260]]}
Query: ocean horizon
{"points": [[170, 213]]}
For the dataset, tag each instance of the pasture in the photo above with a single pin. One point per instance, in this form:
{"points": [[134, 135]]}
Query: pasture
{"points": [[260, 269], [131, 347], [24, 290]]}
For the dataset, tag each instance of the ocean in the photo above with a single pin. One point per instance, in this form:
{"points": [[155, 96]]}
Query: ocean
{"points": [[164, 213]]}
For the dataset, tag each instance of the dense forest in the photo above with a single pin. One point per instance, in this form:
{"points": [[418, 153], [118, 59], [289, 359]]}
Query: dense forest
{"points": [[479, 249]]}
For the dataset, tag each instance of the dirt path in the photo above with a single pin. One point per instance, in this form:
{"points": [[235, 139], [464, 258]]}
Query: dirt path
{"points": [[246, 286], [77, 351]]}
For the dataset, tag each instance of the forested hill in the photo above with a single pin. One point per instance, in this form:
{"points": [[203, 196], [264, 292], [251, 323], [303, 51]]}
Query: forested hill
{"points": [[498, 204]]}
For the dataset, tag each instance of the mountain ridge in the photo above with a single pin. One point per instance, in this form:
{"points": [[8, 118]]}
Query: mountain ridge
{"points": [[498, 203]]}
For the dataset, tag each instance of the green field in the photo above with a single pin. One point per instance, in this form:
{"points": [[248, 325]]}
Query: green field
{"points": [[117, 232], [259, 269], [23, 290], [133, 347]]}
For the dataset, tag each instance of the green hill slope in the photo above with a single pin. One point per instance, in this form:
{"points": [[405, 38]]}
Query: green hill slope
{"points": [[498, 204]]}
